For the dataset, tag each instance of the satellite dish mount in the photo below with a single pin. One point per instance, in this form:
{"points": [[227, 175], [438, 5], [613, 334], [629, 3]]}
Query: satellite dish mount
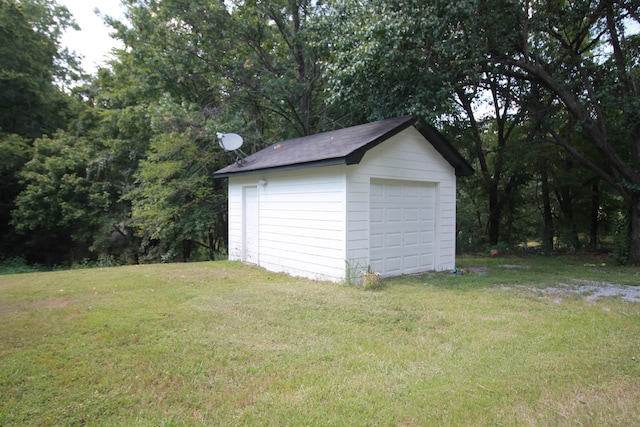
{"points": [[231, 143]]}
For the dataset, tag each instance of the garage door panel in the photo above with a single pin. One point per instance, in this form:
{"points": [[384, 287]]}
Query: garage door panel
{"points": [[376, 241], [376, 190], [377, 265], [410, 238], [394, 265], [391, 191], [393, 215], [411, 262], [427, 214], [393, 240], [412, 214], [426, 258], [411, 192], [377, 215], [402, 228], [426, 238]]}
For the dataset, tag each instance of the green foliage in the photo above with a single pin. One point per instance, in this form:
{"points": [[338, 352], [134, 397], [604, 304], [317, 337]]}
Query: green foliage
{"points": [[57, 206], [621, 238], [15, 151], [176, 204], [377, 59], [129, 180], [564, 73], [32, 61], [16, 265], [103, 261], [32, 69], [57, 187]]}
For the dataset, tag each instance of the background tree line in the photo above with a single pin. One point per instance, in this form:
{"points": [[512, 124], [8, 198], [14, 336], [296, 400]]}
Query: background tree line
{"points": [[540, 96]]}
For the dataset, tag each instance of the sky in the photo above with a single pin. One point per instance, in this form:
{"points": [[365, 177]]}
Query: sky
{"points": [[93, 41]]}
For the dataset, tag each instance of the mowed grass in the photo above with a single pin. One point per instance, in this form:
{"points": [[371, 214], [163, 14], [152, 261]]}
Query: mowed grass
{"points": [[228, 344]]}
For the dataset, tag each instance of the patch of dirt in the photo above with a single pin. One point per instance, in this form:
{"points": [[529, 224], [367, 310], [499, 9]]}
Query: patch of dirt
{"points": [[12, 308], [480, 271], [54, 302]]}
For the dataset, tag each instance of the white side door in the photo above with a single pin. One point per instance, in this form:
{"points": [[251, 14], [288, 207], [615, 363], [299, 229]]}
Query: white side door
{"points": [[250, 238]]}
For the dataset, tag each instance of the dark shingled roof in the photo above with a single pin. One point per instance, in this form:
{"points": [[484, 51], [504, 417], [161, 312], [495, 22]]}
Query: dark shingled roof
{"points": [[342, 146]]}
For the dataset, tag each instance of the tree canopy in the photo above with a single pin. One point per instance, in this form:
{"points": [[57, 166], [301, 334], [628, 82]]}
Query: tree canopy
{"points": [[541, 96]]}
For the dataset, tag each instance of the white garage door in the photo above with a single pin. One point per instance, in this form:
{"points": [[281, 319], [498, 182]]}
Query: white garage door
{"points": [[402, 227]]}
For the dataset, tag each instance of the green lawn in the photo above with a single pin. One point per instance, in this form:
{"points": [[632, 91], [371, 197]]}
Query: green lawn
{"points": [[222, 343]]}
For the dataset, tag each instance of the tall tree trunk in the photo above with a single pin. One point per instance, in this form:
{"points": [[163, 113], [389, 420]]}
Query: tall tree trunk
{"points": [[565, 200], [212, 242], [595, 209], [186, 250], [634, 231], [494, 215], [547, 234]]}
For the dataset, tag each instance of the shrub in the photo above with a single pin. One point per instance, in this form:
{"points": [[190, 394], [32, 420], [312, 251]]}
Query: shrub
{"points": [[16, 265]]}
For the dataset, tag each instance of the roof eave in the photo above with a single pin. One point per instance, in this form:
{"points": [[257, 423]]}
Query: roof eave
{"points": [[324, 162]]}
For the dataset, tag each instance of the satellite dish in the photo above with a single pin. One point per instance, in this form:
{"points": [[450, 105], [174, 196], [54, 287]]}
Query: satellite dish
{"points": [[229, 141]]}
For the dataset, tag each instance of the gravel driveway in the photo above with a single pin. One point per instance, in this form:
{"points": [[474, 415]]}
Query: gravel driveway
{"points": [[594, 290]]}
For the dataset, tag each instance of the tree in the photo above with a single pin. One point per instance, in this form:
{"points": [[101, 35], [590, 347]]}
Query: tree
{"points": [[413, 56], [33, 62], [191, 69], [253, 61], [395, 58], [385, 58], [16, 152], [497, 141], [582, 55], [177, 207], [33, 67], [57, 209]]}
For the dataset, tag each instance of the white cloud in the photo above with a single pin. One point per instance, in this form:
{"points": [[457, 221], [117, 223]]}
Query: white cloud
{"points": [[93, 41]]}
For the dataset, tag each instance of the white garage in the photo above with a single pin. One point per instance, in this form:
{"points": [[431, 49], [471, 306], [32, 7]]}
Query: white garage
{"points": [[378, 196]]}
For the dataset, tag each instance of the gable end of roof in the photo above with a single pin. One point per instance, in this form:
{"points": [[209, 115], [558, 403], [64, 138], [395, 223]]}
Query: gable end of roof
{"points": [[356, 156], [446, 150]]}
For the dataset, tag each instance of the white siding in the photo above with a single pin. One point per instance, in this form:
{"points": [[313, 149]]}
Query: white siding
{"points": [[406, 156], [302, 221]]}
